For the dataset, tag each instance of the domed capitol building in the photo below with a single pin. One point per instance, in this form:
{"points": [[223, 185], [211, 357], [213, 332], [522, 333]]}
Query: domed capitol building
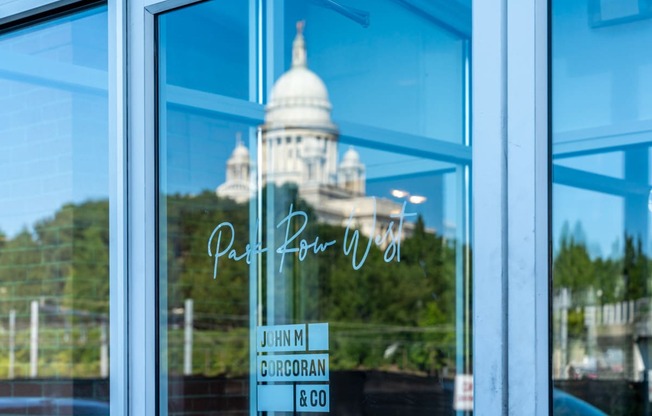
{"points": [[300, 146]]}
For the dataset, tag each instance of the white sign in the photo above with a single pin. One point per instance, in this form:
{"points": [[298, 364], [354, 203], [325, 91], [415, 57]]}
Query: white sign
{"points": [[649, 385], [463, 396]]}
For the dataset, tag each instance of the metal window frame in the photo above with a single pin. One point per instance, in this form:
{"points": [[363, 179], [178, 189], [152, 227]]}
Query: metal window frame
{"points": [[511, 194], [142, 398], [510, 177], [18, 10], [118, 210]]}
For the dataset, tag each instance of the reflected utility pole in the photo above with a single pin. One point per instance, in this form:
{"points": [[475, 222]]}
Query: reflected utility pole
{"points": [[104, 351], [564, 305], [33, 350], [187, 339], [12, 343]]}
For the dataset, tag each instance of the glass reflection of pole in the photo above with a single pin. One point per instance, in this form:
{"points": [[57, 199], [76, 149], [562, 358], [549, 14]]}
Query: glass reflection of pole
{"points": [[563, 328], [187, 337], [643, 343], [255, 269], [12, 343], [636, 218], [33, 350], [270, 272], [461, 310], [464, 182], [104, 349]]}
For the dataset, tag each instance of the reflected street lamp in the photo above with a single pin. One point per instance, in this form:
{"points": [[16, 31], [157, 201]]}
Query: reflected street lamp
{"points": [[414, 199]]}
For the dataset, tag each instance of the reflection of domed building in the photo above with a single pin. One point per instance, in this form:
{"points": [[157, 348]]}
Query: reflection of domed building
{"points": [[238, 169], [299, 146]]}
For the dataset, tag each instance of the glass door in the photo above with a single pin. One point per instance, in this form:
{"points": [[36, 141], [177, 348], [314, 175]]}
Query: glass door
{"points": [[313, 208]]}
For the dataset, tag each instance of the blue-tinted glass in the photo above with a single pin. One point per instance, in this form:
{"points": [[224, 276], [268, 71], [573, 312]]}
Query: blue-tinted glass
{"points": [[340, 150], [206, 48], [602, 115], [400, 72], [54, 221]]}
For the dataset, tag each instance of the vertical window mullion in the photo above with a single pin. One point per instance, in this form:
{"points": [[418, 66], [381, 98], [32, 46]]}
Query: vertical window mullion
{"points": [[510, 187], [118, 208], [527, 208], [489, 195], [141, 210]]}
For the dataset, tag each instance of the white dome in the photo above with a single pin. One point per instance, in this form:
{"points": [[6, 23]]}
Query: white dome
{"points": [[240, 152], [351, 159], [299, 86], [351, 155], [299, 97]]}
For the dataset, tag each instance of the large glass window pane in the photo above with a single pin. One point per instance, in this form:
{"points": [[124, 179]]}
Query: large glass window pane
{"points": [[313, 233], [54, 221], [195, 40], [601, 322]]}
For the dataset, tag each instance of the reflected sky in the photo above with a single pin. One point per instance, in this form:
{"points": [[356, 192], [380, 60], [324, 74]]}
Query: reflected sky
{"points": [[402, 72], [53, 117], [607, 89], [601, 134], [424, 95], [602, 104]]}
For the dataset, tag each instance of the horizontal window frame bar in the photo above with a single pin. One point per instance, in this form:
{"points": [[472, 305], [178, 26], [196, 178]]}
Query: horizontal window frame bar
{"points": [[600, 140], [47, 73], [15, 13], [354, 133], [596, 182]]}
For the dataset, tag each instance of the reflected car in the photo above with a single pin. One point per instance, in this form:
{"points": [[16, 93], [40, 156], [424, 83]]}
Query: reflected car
{"points": [[52, 406], [564, 404]]}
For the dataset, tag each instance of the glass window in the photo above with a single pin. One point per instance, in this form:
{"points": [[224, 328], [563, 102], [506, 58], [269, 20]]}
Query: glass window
{"points": [[313, 234], [194, 39], [601, 322], [54, 216], [393, 60]]}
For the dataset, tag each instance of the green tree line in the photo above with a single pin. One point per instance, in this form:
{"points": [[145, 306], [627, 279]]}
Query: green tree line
{"points": [[397, 316]]}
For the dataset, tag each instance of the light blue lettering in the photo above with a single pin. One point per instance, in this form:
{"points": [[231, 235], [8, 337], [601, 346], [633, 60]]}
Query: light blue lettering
{"points": [[304, 246], [250, 249], [221, 240]]}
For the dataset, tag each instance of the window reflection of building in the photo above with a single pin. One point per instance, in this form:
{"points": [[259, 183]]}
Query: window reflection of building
{"points": [[238, 170], [300, 147]]}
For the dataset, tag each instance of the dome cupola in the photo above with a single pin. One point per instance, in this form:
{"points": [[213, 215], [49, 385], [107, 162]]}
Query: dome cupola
{"points": [[240, 153], [299, 97], [351, 158], [238, 174], [351, 173]]}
